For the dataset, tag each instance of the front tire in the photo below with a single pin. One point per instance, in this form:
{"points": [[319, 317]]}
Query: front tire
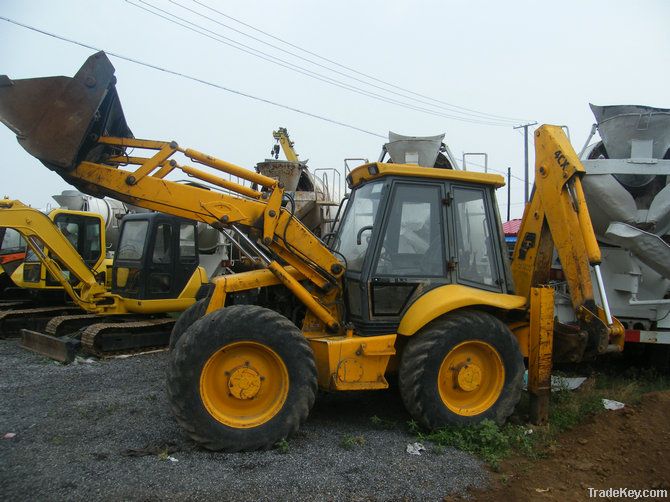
{"points": [[461, 369], [241, 378]]}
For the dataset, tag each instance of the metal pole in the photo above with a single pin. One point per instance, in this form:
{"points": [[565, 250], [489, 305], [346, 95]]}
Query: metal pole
{"points": [[509, 190], [525, 151]]}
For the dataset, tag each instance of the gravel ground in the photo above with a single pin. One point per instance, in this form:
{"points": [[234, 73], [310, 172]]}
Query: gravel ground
{"points": [[75, 426]]}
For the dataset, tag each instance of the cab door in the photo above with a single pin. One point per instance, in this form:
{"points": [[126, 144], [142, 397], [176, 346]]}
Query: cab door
{"points": [[477, 252], [395, 242], [411, 255]]}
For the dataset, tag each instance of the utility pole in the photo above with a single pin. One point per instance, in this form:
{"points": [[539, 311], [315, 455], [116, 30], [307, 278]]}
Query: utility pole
{"points": [[509, 190], [525, 151]]}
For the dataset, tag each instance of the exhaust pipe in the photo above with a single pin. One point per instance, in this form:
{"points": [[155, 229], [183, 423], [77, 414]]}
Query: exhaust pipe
{"points": [[59, 119]]}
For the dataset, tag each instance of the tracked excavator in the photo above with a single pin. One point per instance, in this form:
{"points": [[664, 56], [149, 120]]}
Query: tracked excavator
{"points": [[416, 280], [86, 233], [154, 272], [35, 295]]}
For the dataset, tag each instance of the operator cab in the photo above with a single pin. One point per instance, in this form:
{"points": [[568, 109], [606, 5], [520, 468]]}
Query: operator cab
{"points": [[83, 231], [156, 256], [404, 233]]}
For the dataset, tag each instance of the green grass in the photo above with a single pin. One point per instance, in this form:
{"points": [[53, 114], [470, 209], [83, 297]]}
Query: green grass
{"points": [[383, 423], [567, 409], [282, 446], [350, 442], [486, 440]]}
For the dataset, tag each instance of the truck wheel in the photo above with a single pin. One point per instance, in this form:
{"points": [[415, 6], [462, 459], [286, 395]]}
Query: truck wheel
{"points": [[187, 317], [461, 369], [241, 378]]}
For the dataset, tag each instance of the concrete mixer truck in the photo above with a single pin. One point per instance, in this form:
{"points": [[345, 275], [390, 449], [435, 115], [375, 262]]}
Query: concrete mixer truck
{"points": [[627, 189]]}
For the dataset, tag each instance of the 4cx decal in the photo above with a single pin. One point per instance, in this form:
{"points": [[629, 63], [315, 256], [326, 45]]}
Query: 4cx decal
{"points": [[561, 159]]}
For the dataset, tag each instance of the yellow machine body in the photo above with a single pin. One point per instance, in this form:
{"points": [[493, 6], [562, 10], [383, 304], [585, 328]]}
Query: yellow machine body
{"points": [[40, 282], [473, 338], [60, 259]]}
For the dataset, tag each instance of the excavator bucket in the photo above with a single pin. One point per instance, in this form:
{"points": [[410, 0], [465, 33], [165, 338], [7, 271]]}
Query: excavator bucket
{"points": [[58, 119]]}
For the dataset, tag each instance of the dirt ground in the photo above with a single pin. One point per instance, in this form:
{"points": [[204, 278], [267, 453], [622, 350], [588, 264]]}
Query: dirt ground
{"points": [[628, 448]]}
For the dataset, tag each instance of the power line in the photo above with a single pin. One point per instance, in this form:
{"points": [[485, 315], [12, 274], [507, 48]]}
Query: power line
{"points": [[299, 69], [195, 79], [477, 115], [513, 119], [210, 84]]}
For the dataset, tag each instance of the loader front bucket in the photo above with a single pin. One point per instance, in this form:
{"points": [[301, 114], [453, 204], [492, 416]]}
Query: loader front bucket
{"points": [[59, 119]]}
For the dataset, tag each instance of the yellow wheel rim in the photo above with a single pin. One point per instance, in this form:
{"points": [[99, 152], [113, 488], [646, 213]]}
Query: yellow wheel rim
{"points": [[244, 384], [471, 378]]}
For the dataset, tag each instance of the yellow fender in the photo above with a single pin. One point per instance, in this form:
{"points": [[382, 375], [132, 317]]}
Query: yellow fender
{"points": [[451, 297]]}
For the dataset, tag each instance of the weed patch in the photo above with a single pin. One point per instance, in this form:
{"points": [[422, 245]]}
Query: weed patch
{"points": [[383, 423], [282, 446], [350, 442], [487, 440]]}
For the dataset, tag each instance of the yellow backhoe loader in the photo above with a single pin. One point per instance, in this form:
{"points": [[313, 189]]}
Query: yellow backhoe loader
{"points": [[154, 272], [416, 282]]}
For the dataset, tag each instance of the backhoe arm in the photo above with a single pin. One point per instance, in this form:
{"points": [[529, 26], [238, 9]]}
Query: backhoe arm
{"points": [[39, 233], [556, 217]]}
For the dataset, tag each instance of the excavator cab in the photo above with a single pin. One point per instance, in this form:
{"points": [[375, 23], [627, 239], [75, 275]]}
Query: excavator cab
{"points": [[83, 231], [156, 256]]}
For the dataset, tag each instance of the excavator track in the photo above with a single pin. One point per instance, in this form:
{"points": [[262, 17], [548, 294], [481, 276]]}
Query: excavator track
{"points": [[13, 321], [113, 338], [10, 304], [70, 324]]}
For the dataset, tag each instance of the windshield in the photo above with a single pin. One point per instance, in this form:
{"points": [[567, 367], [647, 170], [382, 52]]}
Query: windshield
{"points": [[11, 242], [356, 228], [133, 238]]}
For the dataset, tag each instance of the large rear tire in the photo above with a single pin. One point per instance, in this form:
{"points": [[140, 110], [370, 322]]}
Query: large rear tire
{"points": [[461, 369], [241, 378]]}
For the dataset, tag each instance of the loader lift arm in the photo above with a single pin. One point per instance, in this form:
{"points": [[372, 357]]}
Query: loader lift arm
{"points": [[88, 154], [556, 217]]}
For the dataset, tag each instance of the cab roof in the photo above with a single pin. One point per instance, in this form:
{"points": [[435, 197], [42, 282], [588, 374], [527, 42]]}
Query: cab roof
{"points": [[375, 170]]}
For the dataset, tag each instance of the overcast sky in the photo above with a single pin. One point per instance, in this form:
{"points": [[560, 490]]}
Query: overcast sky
{"points": [[505, 62]]}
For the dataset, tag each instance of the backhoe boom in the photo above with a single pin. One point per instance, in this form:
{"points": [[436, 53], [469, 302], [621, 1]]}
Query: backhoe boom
{"points": [[556, 217]]}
